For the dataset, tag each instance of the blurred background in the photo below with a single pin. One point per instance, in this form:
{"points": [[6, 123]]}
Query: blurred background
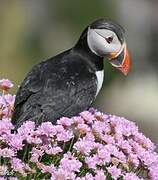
{"points": [[31, 31]]}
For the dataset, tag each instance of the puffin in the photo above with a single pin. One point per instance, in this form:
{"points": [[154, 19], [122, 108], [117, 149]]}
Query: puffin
{"points": [[68, 83]]}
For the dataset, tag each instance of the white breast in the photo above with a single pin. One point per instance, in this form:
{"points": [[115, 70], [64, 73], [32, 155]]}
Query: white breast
{"points": [[100, 78]]}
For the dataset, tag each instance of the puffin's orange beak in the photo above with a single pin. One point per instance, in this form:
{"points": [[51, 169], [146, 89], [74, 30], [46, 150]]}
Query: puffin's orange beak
{"points": [[121, 60]]}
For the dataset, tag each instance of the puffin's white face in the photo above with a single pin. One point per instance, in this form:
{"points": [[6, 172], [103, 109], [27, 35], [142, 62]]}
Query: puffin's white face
{"points": [[103, 42]]}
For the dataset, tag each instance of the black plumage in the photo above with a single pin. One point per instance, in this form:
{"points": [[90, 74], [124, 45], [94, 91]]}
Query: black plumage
{"points": [[60, 86]]}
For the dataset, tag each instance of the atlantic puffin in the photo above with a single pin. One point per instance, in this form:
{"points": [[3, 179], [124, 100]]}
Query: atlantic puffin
{"points": [[68, 83]]}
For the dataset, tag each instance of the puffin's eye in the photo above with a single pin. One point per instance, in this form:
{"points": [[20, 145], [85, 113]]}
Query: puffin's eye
{"points": [[109, 39]]}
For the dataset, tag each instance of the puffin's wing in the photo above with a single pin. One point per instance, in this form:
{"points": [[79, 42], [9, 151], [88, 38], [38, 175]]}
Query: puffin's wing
{"points": [[31, 84]]}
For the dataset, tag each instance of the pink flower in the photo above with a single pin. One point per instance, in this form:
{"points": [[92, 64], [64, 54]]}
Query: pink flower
{"points": [[70, 163], [53, 151], [7, 152], [83, 146], [83, 128], [114, 172], [62, 174], [149, 158], [36, 154], [64, 136], [104, 156], [49, 169], [108, 139], [46, 169], [26, 129], [87, 116], [16, 141], [2, 178], [133, 158], [5, 84], [127, 128], [101, 127], [100, 175], [89, 177], [34, 139], [5, 126], [144, 141], [112, 149], [77, 120], [153, 171], [3, 170], [89, 137], [59, 129], [47, 128], [100, 116], [124, 145], [18, 166], [2, 101], [92, 161], [131, 176], [64, 121], [9, 99]]}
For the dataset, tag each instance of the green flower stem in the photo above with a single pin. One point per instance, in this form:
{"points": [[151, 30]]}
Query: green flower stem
{"points": [[72, 140]]}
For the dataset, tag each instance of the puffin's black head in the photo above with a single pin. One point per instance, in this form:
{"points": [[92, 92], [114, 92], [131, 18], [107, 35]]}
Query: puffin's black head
{"points": [[107, 39]]}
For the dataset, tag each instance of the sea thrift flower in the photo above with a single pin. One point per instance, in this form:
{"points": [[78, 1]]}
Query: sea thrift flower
{"points": [[77, 120], [91, 146], [5, 84], [16, 141], [53, 151], [3, 170], [65, 136], [7, 152], [34, 139], [87, 116], [88, 176], [46, 169], [18, 166], [84, 146], [83, 128], [103, 156], [100, 175], [47, 128], [153, 172], [131, 176], [5, 126], [36, 154], [133, 159], [114, 172], [92, 162], [9, 99], [66, 122], [70, 163], [62, 174], [26, 129]]}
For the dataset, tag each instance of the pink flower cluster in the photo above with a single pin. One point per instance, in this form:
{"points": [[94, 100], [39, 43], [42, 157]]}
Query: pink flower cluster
{"points": [[5, 84], [90, 146]]}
